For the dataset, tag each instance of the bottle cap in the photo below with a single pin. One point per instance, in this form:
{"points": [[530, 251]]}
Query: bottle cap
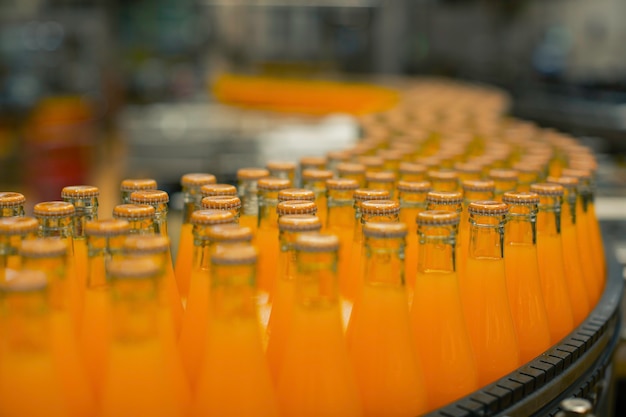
{"points": [[503, 174], [468, 168], [429, 161], [390, 230], [444, 197], [520, 198], [281, 166], [567, 182], [25, 280], [341, 184], [43, 247], [376, 207], [338, 155], [107, 227], [239, 254], [442, 175], [149, 197], [350, 168], [437, 217], [197, 179], [296, 207], [53, 209], [273, 184], [367, 194], [79, 191], [133, 211], [316, 175], [371, 161], [380, 176], [252, 173], [414, 186], [299, 223], [211, 217], [289, 194], [582, 174], [411, 168], [221, 202], [393, 155], [487, 208], [212, 190], [229, 233], [132, 268], [478, 185], [316, 242], [138, 184], [11, 199], [18, 225], [546, 189], [528, 167], [313, 161], [146, 244]]}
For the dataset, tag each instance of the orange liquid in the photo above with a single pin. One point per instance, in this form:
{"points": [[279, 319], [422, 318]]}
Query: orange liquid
{"points": [[554, 285], [385, 361], [526, 299], [597, 247], [586, 254], [170, 297], [462, 248], [267, 244], [443, 343], [80, 261], [95, 336], [184, 258], [574, 273], [316, 376], [279, 322], [195, 322], [354, 283], [488, 319], [408, 216], [250, 221], [234, 378]]}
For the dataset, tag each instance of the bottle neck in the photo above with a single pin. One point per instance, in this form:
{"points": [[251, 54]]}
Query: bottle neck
{"points": [[55, 268], [486, 236], [17, 211], [525, 179], [247, 191], [101, 249], [549, 216], [340, 211], [503, 186], [86, 210], [232, 292], [55, 227], [268, 200], [192, 201], [412, 200], [434, 205], [287, 256], [160, 219], [521, 225], [475, 195], [316, 279], [568, 215], [359, 178], [142, 226], [437, 245], [134, 309], [24, 321], [10, 244], [384, 261]]}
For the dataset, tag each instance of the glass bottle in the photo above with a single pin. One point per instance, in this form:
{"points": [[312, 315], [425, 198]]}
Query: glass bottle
{"points": [[412, 197], [35, 381], [443, 180], [311, 162], [468, 172], [379, 337], [528, 173], [315, 354], [290, 226], [550, 258], [49, 255], [212, 190], [391, 159], [282, 169], [104, 240], [445, 351], [267, 233], [340, 198], [484, 295], [139, 216], [247, 179], [381, 180], [504, 180], [231, 204], [408, 171], [234, 379], [334, 158], [157, 199], [11, 204], [352, 171], [193, 331], [296, 194], [528, 307], [130, 185], [13, 231], [315, 180], [192, 195], [144, 376], [582, 289], [372, 163]]}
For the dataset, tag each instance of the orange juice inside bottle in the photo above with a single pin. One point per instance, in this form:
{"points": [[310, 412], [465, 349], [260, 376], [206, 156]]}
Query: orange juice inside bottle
{"points": [[13, 231], [290, 226], [574, 273], [192, 195], [247, 179], [194, 323], [282, 169], [484, 295], [381, 180], [445, 351], [504, 180], [144, 375], [352, 171], [234, 378], [316, 377], [35, 379], [550, 258], [379, 337], [315, 180], [443, 180], [522, 275]]}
